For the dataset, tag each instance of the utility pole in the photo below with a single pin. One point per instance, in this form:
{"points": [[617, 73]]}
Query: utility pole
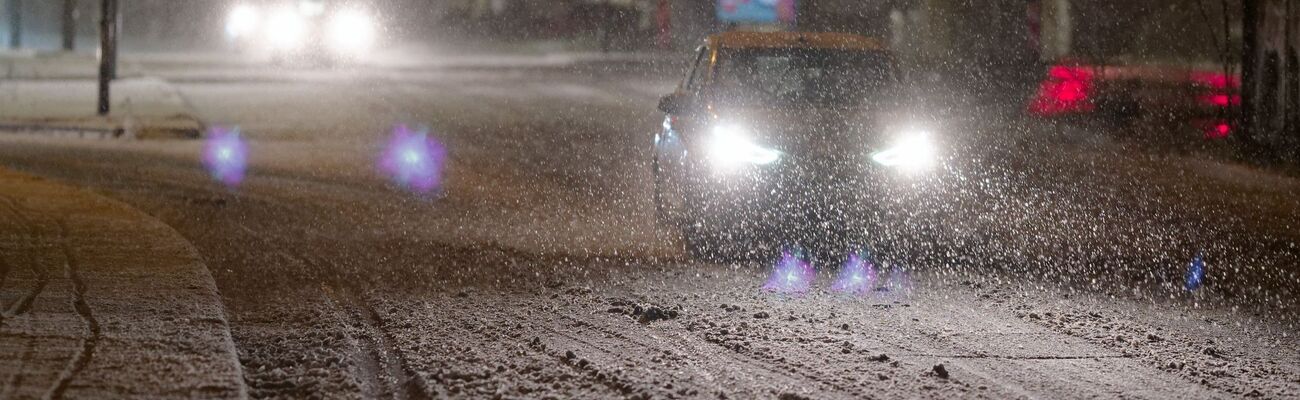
{"points": [[15, 24], [69, 25], [107, 52]]}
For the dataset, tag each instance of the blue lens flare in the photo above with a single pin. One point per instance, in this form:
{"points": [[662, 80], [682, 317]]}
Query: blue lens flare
{"points": [[225, 155], [413, 160], [858, 276], [792, 274], [1195, 276]]}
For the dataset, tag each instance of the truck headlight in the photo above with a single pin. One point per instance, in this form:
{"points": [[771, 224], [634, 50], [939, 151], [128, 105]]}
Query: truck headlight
{"points": [[914, 151], [730, 148], [351, 31], [287, 29], [241, 22]]}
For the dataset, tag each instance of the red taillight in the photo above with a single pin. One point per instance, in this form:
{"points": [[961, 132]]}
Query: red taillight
{"points": [[1215, 128], [1221, 100], [1064, 73], [1066, 90], [1222, 89], [1216, 80], [1222, 129], [1070, 91]]}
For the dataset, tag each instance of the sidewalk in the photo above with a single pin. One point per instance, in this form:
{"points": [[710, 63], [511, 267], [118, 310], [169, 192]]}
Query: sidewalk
{"points": [[59, 93], [99, 300], [32, 65]]}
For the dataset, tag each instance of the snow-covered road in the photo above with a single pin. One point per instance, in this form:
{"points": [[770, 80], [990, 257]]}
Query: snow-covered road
{"points": [[538, 270]]}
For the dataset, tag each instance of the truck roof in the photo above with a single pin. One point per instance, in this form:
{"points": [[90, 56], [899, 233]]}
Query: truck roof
{"points": [[816, 40]]}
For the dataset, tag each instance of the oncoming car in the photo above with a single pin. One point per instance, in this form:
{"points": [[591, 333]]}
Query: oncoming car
{"points": [[302, 30], [787, 138]]}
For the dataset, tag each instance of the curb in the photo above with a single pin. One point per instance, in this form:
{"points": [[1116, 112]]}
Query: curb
{"points": [[143, 108], [107, 301], [175, 128]]}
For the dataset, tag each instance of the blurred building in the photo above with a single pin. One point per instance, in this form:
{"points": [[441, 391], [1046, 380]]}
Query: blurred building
{"points": [[154, 24], [1271, 85], [608, 24]]}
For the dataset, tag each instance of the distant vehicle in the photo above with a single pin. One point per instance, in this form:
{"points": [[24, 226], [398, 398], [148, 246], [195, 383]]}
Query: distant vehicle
{"points": [[1207, 99], [303, 30], [785, 138]]}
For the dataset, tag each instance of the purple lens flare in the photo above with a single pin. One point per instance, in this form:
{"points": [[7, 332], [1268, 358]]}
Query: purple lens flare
{"points": [[413, 160], [792, 274], [858, 276], [225, 155]]}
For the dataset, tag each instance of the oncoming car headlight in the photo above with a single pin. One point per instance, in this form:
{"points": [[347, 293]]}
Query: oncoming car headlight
{"points": [[241, 22], [730, 148], [912, 152], [351, 31]]}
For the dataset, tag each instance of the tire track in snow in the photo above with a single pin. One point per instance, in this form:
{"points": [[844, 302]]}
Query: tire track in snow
{"points": [[380, 366], [4, 273], [17, 378], [384, 366], [368, 365], [775, 373], [732, 365], [84, 356], [729, 365], [729, 356], [1042, 368], [24, 303], [459, 318]]}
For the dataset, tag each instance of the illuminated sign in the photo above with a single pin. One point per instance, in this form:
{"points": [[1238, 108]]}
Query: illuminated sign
{"points": [[756, 11]]}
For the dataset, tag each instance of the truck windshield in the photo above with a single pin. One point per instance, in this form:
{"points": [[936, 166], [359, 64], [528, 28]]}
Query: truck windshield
{"points": [[791, 76]]}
